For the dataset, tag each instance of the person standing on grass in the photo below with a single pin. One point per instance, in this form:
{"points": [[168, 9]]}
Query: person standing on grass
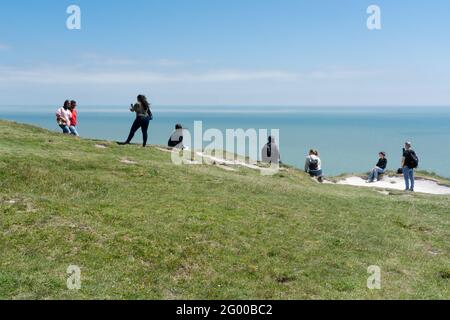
{"points": [[143, 118], [410, 161], [73, 119], [63, 116], [380, 168], [313, 165]]}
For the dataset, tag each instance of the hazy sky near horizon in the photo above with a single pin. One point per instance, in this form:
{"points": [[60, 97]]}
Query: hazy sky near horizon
{"points": [[233, 52]]}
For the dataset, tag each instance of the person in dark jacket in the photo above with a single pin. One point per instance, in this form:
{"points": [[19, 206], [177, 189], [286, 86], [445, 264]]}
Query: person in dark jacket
{"points": [[409, 163], [380, 168]]}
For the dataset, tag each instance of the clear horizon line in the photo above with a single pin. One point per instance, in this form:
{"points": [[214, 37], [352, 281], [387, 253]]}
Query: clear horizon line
{"points": [[238, 105]]}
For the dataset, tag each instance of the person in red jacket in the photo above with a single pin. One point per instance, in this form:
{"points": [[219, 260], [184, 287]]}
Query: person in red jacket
{"points": [[73, 119]]}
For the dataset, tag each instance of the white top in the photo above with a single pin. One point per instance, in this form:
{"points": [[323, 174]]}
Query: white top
{"points": [[63, 116], [176, 135], [313, 158]]}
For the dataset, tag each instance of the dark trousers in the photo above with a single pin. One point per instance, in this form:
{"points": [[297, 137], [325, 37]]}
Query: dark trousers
{"points": [[315, 173], [142, 123]]}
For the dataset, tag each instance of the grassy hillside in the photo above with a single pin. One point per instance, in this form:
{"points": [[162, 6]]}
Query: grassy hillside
{"points": [[152, 230]]}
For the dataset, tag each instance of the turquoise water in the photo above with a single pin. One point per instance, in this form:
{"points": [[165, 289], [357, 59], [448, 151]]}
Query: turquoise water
{"points": [[348, 139]]}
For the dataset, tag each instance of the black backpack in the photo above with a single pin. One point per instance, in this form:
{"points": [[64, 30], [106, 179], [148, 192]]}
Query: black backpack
{"points": [[412, 160], [313, 164]]}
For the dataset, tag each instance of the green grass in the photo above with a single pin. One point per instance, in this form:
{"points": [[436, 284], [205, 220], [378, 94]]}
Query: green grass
{"points": [[158, 231]]}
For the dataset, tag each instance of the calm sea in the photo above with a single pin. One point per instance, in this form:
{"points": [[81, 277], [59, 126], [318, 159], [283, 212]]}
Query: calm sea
{"points": [[348, 139]]}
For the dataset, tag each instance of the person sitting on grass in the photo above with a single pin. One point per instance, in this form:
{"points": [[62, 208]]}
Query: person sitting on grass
{"points": [[380, 168], [313, 165], [176, 139], [270, 153], [63, 116]]}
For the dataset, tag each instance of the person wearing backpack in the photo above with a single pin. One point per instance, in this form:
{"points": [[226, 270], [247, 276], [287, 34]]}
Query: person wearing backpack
{"points": [[313, 165], [410, 161]]}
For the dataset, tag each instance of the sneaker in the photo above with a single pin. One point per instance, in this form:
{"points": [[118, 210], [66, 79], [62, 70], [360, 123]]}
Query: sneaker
{"points": [[376, 180]]}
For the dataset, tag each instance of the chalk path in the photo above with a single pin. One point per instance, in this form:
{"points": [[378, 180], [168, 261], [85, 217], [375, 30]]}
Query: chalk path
{"points": [[426, 186], [397, 183]]}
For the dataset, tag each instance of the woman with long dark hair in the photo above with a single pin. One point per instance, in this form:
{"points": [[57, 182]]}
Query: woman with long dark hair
{"points": [[143, 117], [63, 116]]}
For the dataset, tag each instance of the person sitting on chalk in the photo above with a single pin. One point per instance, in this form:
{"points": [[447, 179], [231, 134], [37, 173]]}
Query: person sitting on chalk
{"points": [[176, 139], [313, 165], [380, 168]]}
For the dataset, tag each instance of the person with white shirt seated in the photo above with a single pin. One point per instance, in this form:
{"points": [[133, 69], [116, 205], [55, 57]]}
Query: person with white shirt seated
{"points": [[176, 139], [313, 165]]}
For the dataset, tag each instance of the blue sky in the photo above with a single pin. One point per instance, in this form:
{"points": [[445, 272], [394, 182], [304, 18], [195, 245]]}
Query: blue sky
{"points": [[234, 52]]}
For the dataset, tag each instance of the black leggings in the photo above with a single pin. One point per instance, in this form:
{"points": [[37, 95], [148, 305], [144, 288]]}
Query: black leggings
{"points": [[142, 123]]}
